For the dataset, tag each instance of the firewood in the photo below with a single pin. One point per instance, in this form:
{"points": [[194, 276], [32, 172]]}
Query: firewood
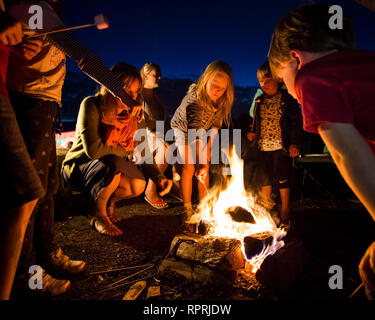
{"points": [[120, 269], [212, 252], [254, 246], [239, 214], [128, 277], [135, 290], [204, 258], [153, 292]]}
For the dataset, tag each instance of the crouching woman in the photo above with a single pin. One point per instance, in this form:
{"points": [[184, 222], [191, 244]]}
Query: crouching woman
{"points": [[100, 160]]}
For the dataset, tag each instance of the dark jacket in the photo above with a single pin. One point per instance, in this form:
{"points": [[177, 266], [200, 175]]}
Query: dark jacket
{"points": [[290, 121]]}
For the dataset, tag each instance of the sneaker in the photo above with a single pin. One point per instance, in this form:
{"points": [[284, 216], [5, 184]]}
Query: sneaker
{"points": [[54, 286], [62, 264]]}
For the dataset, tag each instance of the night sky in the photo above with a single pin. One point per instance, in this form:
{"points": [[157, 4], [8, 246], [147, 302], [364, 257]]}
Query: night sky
{"points": [[184, 36]]}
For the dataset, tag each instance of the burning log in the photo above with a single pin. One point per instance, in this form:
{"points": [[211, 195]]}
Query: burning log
{"points": [[255, 243], [240, 214], [204, 259]]}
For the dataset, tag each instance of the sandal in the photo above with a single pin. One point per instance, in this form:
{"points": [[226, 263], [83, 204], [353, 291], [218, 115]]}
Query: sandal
{"points": [[157, 204], [105, 228]]}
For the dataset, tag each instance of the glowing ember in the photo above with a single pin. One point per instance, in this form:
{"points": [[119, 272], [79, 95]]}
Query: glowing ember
{"points": [[215, 210]]}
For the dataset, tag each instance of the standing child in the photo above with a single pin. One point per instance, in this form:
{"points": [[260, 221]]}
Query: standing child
{"points": [[335, 85], [277, 133], [35, 89], [207, 104], [154, 111], [21, 184]]}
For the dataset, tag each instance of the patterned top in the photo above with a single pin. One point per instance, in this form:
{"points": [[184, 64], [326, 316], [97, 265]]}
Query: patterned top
{"points": [[270, 130]]}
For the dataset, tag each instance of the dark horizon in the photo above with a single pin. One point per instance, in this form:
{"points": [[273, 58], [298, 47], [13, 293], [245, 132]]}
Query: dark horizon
{"points": [[184, 37]]}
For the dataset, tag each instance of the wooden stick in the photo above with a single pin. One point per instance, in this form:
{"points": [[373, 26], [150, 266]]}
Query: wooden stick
{"points": [[60, 30], [132, 275], [124, 284], [356, 290], [120, 269]]}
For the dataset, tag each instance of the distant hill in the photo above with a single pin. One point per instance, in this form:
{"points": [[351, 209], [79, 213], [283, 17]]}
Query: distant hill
{"points": [[78, 86]]}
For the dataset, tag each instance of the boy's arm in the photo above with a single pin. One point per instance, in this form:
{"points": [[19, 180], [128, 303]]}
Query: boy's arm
{"points": [[354, 159]]}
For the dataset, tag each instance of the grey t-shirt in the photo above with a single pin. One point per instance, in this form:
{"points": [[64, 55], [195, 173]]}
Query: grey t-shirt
{"points": [[190, 115]]}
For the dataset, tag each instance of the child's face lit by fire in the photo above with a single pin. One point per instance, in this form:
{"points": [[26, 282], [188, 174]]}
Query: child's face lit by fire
{"points": [[152, 79], [288, 72], [269, 86], [217, 86]]}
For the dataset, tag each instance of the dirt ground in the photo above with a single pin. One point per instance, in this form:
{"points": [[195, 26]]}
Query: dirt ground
{"points": [[331, 234]]}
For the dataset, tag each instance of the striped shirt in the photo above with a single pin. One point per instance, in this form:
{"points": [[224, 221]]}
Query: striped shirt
{"points": [[43, 76]]}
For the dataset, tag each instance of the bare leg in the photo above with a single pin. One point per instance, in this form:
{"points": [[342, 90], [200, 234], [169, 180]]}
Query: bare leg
{"points": [[12, 232], [285, 205], [128, 188], [266, 193], [187, 183], [162, 164], [103, 224], [151, 190]]}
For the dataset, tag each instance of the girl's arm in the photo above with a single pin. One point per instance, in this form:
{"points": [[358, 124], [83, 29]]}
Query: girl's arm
{"points": [[354, 159]]}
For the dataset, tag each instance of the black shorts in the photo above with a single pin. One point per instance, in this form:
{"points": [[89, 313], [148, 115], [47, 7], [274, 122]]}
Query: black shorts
{"points": [[275, 166], [20, 181], [95, 175]]}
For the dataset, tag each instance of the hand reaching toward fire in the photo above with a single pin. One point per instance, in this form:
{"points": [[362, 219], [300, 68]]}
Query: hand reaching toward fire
{"points": [[251, 136], [164, 185], [201, 173], [293, 151]]}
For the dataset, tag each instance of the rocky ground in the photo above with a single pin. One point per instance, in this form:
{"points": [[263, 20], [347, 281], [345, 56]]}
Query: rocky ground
{"points": [[332, 233]]}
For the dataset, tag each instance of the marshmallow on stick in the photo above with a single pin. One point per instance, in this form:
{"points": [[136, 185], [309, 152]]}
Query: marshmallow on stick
{"points": [[101, 23]]}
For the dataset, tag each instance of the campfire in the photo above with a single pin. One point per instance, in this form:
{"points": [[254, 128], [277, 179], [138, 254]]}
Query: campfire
{"points": [[218, 210], [235, 234]]}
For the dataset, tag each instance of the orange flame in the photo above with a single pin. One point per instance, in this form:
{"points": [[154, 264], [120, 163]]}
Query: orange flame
{"points": [[213, 211]]}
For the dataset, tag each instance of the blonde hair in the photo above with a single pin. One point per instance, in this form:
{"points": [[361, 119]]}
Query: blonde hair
{"points": [[148, 68], [200, 89], [264, 71]]}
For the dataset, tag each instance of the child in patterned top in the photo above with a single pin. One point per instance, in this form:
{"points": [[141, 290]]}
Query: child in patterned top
{"points": [[277, 133]]}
